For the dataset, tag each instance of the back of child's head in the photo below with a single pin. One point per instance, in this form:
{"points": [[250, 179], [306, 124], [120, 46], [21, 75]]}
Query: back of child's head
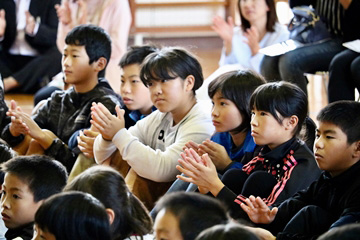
{"points": [[136, 55], [281, 100], [43, 175], [74, 215], [345, 115], [230, 231], [107, 185], [237, 86], [195, 212], [345, 232], [6, 153], [170, 63], [96, 41]]}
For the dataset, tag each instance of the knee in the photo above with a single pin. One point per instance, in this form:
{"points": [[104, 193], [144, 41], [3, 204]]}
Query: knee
{"points": [[355, 69]]}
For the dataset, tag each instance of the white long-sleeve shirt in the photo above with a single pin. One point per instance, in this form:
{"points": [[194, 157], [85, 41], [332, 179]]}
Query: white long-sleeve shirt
{"points": [[241, 52], [152, 146]]}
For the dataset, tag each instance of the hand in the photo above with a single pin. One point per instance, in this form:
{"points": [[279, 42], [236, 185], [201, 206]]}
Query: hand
{"points": [[225, 31], [252, 35], [192, 145], [64, 12], [83, 12], [86, 141], [2, 22], [200, 171], [32, 129], [258, 211], [30, 23], [216, 152], [107, 124], [17, 126]]}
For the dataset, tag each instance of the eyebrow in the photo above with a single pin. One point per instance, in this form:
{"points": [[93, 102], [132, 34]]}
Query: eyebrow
{"points": [[327, 131], [134, 75]]}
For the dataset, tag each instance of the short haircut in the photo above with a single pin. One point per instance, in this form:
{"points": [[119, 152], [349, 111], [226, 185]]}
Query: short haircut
{"points": [[43, 175], [107, 185], [170, 63], [230, 231], [345, 232], [282, 100], [345, 115], [195, 212], [271, 17], [237, 86], [74, 215], [96, 40], [6, 153], [136, 54]]}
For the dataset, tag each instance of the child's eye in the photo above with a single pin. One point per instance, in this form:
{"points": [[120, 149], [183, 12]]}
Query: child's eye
{"points": [[64, 55], [317, 136], [222, 104], [75, 56], [164, 80], [329, 137], [135, 81], [149, 84], [263, 113], [15, 196]]}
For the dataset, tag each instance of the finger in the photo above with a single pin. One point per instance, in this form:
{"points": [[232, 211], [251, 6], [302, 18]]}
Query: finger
{"points": [[194, 155], [205, 159], [91, 134], [2, 13], [193, 145], [57, 6], [249, 203], [230, 21], [119, 112], [183, 178], [261, 203], [187, 164], [185, 171], [13, 105], [98, 126], [105, 112]]}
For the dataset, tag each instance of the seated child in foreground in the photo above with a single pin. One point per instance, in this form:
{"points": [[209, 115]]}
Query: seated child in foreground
{"points": [[70, 216], [278, 111], [128, 216], [336, 193], [85, 57], [28, 181], [152, 146]]}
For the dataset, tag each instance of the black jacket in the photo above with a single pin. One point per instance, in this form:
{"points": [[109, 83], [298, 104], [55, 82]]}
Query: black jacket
{"points": [[63, 114]]}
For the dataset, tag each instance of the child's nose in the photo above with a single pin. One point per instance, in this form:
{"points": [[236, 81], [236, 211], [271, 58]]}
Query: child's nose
{"points": [[4, 202], [253, 121], [318, 143], [125, 87], [214, 112]]}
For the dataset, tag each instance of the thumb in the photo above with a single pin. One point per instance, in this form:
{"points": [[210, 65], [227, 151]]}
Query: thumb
{"points": [[2, 13], [28, 15], [13, 105], [90, 133], [119, 112], [230, 21]]}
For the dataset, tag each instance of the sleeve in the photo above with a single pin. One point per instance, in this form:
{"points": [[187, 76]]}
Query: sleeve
{"points": [[47, 32], [154, 164], [228, 197], [240, 51]]}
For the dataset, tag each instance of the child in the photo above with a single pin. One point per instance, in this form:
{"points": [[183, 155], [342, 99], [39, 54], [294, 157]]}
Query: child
{"points": [[28, 181], [152, 146], [86, 53], [230, 94], [278, 111], [184, 215], [137, 105], [336, 194], [128, 215], [72, 215]]}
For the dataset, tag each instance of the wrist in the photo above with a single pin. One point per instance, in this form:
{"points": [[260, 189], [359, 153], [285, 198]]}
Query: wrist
{"points": [[216, 187]]}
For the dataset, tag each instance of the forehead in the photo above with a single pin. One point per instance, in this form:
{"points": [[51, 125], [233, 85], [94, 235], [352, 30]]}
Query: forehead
{"points": [[74, 48], [13, 182]]}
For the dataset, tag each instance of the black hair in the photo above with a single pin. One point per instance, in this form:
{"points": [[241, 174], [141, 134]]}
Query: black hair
{"points": [[345, 232], [74, 215], [107, 185], [43, 175], [170, 63], [237, 86], [96, 40], [345, 115], [281, 100], [6, 153], [195, 212], [271, 17], [136, 54], [230, 231]]}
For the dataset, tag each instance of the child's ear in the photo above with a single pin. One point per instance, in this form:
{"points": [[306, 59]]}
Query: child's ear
{"points": [[357, 150], [100, 64], [292, 122], [189, 83], [111, 215]]}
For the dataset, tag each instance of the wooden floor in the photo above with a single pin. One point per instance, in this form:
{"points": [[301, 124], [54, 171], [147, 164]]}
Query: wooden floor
{"points": [[208, 51]]}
